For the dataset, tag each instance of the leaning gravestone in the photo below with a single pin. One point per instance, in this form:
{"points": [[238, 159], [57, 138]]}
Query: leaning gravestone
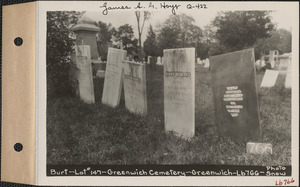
{"points": [[135, 87], [113, 77], [85, 74], [235, 95], [179, 91], [270, 78]]}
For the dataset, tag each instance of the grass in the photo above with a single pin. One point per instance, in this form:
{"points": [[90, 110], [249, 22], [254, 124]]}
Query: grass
{"points": [[79, 133]]}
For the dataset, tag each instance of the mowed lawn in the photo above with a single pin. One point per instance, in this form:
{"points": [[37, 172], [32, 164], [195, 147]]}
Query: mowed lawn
{"points": [[79, 133]]}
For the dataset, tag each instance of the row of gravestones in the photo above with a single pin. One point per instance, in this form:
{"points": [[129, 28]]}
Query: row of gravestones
{"points": [[233, 80]]}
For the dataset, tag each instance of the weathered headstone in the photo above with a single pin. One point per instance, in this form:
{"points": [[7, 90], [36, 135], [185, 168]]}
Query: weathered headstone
{"points": [[85, 74], [113, 77], [235, 95], [269, 78], [288, 80], [135, 87], [179, 91], [198, 61]]}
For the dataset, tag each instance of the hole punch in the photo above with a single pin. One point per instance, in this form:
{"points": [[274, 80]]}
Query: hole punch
{"points": [[18, 41], [18, 147]]}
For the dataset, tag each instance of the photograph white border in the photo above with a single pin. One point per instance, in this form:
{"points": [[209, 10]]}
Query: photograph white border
{"points": [[42, 179]]}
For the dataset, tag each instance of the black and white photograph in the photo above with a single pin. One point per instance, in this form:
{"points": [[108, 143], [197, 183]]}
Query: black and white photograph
{"points": [[172, 86]]}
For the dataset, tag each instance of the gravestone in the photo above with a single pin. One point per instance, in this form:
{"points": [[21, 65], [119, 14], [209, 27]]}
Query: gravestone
{"points": [[135, 87], [113, 77], [269, 78], [179, 91], [206, 63], [235, 95], [85, 74], [198, 61], [159, 61], [288, 80]]}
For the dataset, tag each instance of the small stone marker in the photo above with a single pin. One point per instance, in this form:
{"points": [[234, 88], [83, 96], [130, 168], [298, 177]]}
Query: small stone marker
{"points": [[198, 61], [259, 148], [235, 95], [179, 91], [270, 78], [206, 63], [113, 77], [159, 61], [135, 87], [288, 80]]}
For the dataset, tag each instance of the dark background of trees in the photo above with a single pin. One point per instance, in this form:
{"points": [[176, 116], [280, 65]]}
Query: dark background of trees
{"points": [[229, 31]]}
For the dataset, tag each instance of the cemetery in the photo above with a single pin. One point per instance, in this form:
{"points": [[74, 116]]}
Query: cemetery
{"points": [[170, 109]]}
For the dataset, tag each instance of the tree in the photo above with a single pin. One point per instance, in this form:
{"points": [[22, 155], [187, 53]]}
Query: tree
{"points": [[140, 28], [104, 37], [241, 29], [280, 40], [60, 46], [179, 31], [125, 36], [150, 44]]}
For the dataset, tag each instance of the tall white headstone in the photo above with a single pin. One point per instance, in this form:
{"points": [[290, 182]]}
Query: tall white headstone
{"points": [[159, 61], [85, 74], [179, 91], [113, 77]]}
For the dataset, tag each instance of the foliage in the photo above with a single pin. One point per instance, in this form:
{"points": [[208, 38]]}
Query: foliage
{"points": [[179, 31], [241, 29], [104, 37], [59, 48], [150, 44], [125, 35], [280, 39]]}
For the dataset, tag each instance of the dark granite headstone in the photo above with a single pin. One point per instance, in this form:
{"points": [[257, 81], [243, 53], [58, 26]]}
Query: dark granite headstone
{"points": [[235, 95]]}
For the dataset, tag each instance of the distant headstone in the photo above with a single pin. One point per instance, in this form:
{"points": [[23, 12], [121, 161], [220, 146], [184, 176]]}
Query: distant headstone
{"points": [[288, 80], [206, 63], [113, 77], [148, 59], [283, 65], [135, 87], [259, 148], [85, 74], [235, 95], [198, 61], [100, 74], [179, 91], [159, 61], [270, 78]]}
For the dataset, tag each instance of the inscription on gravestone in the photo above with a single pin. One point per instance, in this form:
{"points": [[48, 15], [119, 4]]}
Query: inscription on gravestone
{"points": [[113, 77], [85, 74], [235, 95], [135, 87], [179, 91]]}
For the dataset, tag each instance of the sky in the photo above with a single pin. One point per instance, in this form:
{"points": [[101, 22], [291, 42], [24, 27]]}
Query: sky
{"points": [[202, 18]]}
